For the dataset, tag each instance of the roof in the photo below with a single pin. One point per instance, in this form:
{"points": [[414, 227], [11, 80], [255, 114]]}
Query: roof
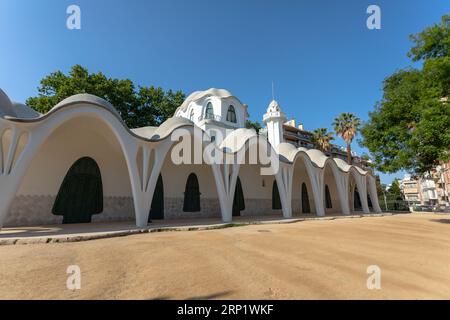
{"points": [[197, 95], [234, 142]]}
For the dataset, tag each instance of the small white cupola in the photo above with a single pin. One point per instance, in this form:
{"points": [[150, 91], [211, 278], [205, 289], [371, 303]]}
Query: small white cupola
{"points": [[274, 119]]}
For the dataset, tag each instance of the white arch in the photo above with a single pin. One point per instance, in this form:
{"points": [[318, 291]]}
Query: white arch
{"points": [[340, 184], [362, 188], [39, 131]]}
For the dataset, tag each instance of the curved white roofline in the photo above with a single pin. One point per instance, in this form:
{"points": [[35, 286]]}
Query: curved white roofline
{"points": [[6, 106], [233, 143], [197, 95]]}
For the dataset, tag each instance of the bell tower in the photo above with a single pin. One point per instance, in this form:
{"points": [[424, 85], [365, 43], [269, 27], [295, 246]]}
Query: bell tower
{"points": [[274, 119]]}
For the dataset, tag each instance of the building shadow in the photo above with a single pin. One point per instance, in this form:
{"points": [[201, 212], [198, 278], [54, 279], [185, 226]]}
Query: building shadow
{"points": [[205, 297], [445, 221]]}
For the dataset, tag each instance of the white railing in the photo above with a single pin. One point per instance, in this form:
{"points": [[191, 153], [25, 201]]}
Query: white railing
{"points": [[210, 117]]}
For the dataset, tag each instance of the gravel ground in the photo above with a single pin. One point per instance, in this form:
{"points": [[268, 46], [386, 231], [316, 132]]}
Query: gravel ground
{"points": [[304, 260]]}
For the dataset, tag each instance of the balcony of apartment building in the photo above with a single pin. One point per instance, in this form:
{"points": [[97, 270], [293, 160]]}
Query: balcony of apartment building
{"points": [[410, 190], [427, 184], [300, 137], [297, 135]]}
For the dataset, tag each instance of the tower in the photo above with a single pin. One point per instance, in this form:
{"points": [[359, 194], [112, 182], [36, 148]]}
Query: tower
{"points": [[274, 119]]}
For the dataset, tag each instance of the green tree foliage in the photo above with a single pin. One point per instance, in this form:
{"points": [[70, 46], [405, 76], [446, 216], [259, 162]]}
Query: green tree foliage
{"points": [[394, 192], [253, 125], [322, 139], [145, 106], [410, 127], [346, 125], [433, 42]]}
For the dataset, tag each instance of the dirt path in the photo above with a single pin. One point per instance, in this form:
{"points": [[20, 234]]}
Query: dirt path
{"points": [[305, 260]]}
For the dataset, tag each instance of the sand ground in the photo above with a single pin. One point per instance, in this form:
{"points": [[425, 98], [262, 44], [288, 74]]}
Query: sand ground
{"points": [[305, 260]]}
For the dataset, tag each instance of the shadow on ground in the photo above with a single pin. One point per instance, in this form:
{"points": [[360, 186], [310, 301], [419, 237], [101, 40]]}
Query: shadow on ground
{"points": [[206, 297], [447, 221]]}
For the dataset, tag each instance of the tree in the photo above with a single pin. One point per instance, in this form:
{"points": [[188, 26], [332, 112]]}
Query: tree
{"points": [[409, 128], [322, 138], [253, 125], [433, 42], [346, 126], [394, 191], [147, 106]]}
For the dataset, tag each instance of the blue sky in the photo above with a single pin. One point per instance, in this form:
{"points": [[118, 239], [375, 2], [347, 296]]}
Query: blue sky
{"points": [[320, 54]]}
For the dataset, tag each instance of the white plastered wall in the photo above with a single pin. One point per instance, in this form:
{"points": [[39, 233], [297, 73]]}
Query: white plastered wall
{"points": [[79, 137], [300, 177], [330, 181]]}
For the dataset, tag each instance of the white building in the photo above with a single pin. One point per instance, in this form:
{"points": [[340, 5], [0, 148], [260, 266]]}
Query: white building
{"points": [[419, 191], [81, 163]]}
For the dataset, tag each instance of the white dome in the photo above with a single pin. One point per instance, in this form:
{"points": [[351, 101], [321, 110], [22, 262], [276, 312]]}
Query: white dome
{"points": [[197, 95], [86, 98]]}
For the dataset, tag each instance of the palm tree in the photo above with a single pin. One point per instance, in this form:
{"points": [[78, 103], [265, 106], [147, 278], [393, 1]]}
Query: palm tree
{"points": [[346, 126], [321, 139]]}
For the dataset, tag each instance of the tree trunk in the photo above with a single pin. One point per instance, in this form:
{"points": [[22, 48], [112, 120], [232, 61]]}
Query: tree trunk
{"points": [[349, 154]]}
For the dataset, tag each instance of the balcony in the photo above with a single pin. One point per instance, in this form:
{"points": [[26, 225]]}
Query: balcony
{"points": [[213, 117]]}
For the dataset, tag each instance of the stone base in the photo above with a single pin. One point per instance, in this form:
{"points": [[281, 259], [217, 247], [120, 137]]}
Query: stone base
{"points": [[259, 207], [37, 210], [209, 208]]}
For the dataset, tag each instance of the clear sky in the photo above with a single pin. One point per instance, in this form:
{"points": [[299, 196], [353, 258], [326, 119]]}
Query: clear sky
{"points": [[320, 54]]}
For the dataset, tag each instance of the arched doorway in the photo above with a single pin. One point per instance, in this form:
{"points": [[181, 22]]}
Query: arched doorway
{"points": [[192, 194], [81, 193], [276, 201], [157, 208], [328, 202], [357, 200], [369, 202], [305, 199], [238, 201]]}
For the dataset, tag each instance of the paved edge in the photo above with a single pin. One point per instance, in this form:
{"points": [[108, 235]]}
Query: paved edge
{"points": [[128, 232]]}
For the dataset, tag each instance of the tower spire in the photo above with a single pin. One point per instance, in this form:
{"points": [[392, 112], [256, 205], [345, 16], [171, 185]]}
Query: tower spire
{"points": [[273, 92]]}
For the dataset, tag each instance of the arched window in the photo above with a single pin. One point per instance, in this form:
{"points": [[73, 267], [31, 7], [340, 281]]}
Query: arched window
{"points": [[305, 199], [356, 200], [276, 201], [231, 114], [238, 201], [191, 116], [157, 207], [328, 203], [209, 112], [192, 194]]}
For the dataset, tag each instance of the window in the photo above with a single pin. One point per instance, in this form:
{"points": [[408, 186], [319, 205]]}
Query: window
{"points": [[276, 201], [328, 203], [192, 194], [191, 116], [305, 199], [209, 112], [231, 114]]}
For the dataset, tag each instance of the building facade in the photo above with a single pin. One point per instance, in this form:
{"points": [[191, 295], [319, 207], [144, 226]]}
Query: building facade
{"points": [[426, 191], [80, 163], [299, 137]]}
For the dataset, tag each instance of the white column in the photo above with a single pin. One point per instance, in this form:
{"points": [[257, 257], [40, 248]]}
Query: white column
{"points": [[342, 180], [317, 177], [371, 181], [143, 182], [12, 173], [284, 182]]}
